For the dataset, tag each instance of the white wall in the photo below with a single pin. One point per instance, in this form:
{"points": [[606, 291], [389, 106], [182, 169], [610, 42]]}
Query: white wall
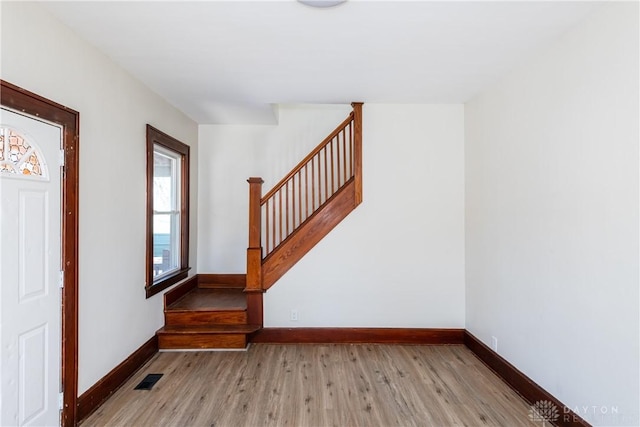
{"points": [[552, 217], [396, 261], [45, 57]]}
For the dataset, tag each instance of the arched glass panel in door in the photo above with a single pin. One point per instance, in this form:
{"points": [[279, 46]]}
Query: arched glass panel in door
{"points": [[19, 155]]}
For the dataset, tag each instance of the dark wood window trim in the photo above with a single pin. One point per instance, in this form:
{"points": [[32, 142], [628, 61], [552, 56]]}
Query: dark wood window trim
{"points": [[154, 136], [18, 99]]}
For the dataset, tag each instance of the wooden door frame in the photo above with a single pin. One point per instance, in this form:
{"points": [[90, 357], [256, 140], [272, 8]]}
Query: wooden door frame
{"points": [[18, 99]]}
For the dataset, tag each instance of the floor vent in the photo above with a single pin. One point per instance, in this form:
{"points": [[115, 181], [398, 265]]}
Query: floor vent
{"points": [[148, 382]]}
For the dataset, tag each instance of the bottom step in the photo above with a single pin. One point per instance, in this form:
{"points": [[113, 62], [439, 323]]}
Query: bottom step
{"points": [[204, 337]]}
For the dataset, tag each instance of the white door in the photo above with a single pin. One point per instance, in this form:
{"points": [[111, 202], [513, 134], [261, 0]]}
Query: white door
{"points": [[30, 254]]}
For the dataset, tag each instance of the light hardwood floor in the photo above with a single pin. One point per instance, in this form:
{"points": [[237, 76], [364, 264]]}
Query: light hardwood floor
{"points": [[317, 385]]}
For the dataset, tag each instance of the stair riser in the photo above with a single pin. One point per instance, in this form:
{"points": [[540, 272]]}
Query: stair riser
{"points": [[218, 281], [203, 318], [169, 341]]}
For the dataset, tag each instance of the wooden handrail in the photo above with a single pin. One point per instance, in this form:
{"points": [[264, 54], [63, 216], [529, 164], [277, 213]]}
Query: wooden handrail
{"points": [[304, 161]]}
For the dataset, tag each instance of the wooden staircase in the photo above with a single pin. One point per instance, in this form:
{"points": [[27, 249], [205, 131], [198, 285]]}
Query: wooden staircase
{"points": [[222, 311], [201, 314], [291, 218]]}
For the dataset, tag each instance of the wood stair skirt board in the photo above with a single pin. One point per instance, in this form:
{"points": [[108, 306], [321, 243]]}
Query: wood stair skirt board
{"points": [[419, 336], [314, 229], [525, 386], [177, 292]]}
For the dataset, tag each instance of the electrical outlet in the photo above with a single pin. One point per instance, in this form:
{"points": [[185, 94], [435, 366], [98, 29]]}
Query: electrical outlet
{"points": [[494, 344], [294, 315]]}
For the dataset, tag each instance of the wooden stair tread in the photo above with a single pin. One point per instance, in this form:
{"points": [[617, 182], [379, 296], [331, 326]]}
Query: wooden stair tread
{"points": [[211, 299], [209, 329]]}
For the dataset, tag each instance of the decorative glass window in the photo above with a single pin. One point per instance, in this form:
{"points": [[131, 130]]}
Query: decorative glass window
{"points": [[19, 156], [167, 211]]}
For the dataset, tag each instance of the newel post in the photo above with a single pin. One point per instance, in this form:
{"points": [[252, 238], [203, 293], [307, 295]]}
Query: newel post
{"points": [[357, 150], [254, 251]]}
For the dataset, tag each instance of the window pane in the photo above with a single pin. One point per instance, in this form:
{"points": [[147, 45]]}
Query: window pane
{"points": [[166, 246], [164, 182]]}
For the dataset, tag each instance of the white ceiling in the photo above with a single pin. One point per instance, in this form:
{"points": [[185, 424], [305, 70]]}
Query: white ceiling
{"points": [[230, 61]]}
